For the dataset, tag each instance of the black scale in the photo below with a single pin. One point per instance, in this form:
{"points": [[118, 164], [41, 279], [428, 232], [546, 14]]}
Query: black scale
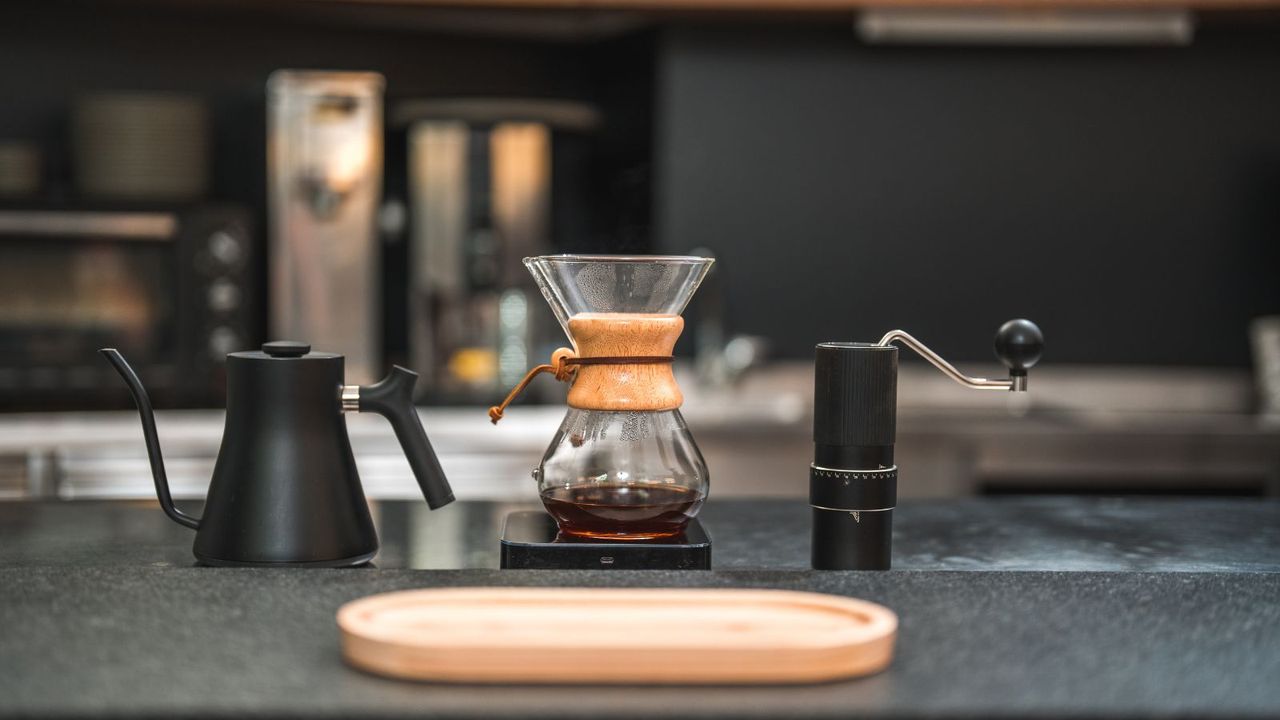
{"points": [[531, 541]]}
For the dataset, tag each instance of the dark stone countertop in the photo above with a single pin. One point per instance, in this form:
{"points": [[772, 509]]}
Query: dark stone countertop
{"points": [[1016, 533], [1017, 607]]}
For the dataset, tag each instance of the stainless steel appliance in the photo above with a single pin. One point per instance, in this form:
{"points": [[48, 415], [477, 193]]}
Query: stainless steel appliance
{"points": [[325, 174], [479, 185], [174, 288]]}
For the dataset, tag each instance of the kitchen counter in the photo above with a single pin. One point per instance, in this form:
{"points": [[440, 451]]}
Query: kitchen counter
{"points": [[1045, 607], [1080, 429]]}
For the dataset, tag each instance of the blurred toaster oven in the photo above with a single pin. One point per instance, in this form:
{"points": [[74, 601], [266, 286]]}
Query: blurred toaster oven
{"points": [[173, 289]]}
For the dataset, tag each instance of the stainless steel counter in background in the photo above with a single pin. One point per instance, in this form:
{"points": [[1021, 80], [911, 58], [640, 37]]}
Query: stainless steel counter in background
{"points": [[1079, 429]]}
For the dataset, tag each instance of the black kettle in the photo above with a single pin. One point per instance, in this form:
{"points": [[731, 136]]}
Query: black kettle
{"points": [[285, 491]]}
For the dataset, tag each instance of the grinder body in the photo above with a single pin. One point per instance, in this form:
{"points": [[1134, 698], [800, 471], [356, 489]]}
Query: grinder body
{"points": [[853, 480]]}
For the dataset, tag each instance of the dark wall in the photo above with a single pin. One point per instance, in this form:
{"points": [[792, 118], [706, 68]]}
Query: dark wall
{"points": [[1127, 199]]}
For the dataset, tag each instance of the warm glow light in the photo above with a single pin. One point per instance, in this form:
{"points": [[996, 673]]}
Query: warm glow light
{"points": [[347, 164]]}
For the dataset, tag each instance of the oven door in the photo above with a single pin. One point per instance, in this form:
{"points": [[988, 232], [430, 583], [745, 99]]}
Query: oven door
{"points": [[74, 282]]}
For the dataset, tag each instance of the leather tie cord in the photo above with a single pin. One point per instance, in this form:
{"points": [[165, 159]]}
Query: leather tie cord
{"points": [[563, 366]]}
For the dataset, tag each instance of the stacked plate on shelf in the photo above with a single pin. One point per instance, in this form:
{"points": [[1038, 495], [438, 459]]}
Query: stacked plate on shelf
{"points": [[140, 146], [19, 168]]}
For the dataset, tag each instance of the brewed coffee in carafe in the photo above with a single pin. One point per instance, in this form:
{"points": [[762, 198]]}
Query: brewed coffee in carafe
{"points": [[623, 465]]}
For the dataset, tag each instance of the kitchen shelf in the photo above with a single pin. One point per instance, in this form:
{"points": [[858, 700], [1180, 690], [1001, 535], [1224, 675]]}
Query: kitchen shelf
{"points": [[822, 6]]}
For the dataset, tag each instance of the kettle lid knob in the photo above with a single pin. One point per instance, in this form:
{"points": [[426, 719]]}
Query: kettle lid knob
{"points": [[286, 348]]}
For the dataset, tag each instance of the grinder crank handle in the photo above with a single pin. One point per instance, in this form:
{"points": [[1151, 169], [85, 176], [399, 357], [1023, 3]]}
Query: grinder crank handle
{"points": [[1018, 344], [392, 398]]}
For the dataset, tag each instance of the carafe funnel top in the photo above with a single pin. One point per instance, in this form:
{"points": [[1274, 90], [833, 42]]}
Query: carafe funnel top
{"points": [[617, 284]]}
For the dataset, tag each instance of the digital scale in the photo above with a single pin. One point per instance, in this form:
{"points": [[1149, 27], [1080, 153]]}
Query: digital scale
{"points": [[531, 541]]}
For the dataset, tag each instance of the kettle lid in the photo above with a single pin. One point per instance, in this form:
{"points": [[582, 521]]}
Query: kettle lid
{"points": [[284, 350]]}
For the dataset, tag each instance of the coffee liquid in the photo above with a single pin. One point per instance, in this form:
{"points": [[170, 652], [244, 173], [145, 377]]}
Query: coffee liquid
{"points": [[612, 511]]}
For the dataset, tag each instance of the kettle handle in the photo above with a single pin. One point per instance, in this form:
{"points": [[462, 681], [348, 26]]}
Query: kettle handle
{"points": [[152, 439], [392, 398]]}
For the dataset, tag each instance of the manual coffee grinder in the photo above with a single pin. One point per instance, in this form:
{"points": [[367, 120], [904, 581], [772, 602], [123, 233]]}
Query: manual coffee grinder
{"points": [[853, 480], [622, 480]]}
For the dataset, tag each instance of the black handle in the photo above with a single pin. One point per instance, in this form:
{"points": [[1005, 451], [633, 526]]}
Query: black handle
{"points": [[1019, 344], [152, 439], [392, 398]]}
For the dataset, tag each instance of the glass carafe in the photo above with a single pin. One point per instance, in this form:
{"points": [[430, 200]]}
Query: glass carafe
{"points": [[623, 465]]}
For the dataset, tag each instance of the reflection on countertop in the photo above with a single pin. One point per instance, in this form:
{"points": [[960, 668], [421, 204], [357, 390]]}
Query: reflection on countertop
{"points": [[974, 534], [1079, 429]]}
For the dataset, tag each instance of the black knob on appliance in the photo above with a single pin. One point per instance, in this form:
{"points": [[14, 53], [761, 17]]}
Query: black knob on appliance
{"points": [[286, 348], [1019, 344]]}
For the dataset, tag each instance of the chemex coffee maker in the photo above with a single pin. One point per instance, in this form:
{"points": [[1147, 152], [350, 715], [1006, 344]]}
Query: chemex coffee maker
{"points": [[622, 480], [853, 480], [285, 492]]}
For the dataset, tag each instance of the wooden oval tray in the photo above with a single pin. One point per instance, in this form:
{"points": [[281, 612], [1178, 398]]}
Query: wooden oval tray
{"points": [[575, 636]]}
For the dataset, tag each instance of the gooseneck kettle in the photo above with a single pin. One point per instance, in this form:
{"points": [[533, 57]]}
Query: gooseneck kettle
{"points": [[285, 491]]}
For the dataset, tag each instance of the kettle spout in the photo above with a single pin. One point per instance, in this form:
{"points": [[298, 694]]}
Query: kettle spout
{"points": [[153, 440]]}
